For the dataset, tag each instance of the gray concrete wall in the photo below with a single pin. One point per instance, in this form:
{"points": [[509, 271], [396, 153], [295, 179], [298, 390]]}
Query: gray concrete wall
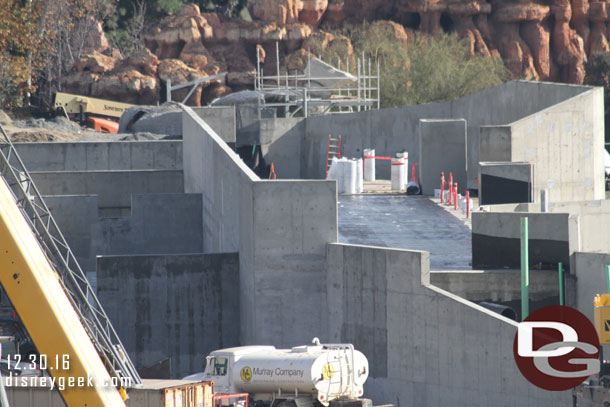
{"points": [[113, 188], [102, 156], [496, 239], [497, 285], [225, 182], [280, 229], [280, 140], [565, 144], [504, 287], [293, 221], [590, 279], [426, 347], [591, 220], [178, 306], [505, 182], [392, 130], [159, 223], [221, 119], [442, 148]]}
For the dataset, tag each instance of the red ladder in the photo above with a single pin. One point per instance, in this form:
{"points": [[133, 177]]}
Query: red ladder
{"points": [[334, 150]]}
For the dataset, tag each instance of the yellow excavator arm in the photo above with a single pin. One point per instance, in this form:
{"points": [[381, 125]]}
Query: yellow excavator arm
{"points": [[76, 352]]}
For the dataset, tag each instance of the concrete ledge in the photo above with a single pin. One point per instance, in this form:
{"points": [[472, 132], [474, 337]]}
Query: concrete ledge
{"points": [[101, 156]]}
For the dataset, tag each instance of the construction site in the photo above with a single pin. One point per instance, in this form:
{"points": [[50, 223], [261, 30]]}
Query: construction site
{"points": [[289, 213]]}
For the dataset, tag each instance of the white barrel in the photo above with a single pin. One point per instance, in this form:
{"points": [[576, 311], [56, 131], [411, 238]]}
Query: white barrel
{"points": [[332, 170], [349, 177], [359, 176], [397, 174], [405, 157], [339, 176], [369, 165]]}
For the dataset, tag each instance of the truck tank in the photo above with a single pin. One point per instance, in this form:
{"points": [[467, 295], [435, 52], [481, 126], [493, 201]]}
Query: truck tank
{"points": [[326, 372]]}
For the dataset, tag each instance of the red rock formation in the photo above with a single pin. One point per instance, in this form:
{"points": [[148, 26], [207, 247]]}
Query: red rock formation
{"points": [[568, 46], [312, 11], [538, 39], [95, 62], [178, 72]]}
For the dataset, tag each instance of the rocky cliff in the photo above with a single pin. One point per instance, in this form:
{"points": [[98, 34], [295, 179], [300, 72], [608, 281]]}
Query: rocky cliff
{"points": [[543, 40]]}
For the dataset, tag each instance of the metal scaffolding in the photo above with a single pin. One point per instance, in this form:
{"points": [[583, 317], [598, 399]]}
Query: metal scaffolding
{"points": [[322, 88]]}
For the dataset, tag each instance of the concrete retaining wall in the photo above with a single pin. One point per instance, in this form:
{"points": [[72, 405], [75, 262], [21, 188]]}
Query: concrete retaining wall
{"points": [[280, 229], [159, 223], [280, 140], [107, 156], [427, 347], [393, 130], [180, 306], [565, 144], [496, 239], [505, 182], [113, 188], [504, 287], [220, 118], [590, 270], [442, 148]]}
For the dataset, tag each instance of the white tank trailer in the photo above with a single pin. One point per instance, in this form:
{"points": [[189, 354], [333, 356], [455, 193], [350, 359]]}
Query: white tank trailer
{"points": [[286, 377]]}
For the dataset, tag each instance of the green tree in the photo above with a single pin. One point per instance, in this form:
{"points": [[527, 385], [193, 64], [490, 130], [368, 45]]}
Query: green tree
{"points": [[419, 69]]}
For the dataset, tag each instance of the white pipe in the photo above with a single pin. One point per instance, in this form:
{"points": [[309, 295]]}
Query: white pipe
{"points": [[369, 165], [397, 174]]}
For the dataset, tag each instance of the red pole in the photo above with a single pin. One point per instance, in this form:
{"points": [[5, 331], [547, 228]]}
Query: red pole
{"points": [[455, 198], [442, 185], [450, 193], [467, 204]]}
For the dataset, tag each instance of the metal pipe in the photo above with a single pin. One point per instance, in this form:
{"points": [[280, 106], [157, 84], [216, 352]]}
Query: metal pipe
{"points": [[608, 278], [358, 84], [277, 57], [378, 86], [525, 273], [168, 90], [561, 283], [369, 85], [258, 69], [455, 198]]}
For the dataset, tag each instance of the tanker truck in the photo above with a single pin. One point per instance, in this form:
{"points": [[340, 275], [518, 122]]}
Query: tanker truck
{"points": [[301, 376]]}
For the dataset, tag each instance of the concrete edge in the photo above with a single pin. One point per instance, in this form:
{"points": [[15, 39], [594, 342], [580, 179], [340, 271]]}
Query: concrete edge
{"points": [[212, 134]]}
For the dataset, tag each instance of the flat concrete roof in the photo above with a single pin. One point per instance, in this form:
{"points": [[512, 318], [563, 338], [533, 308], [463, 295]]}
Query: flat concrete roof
{"points": [[406, 222]]}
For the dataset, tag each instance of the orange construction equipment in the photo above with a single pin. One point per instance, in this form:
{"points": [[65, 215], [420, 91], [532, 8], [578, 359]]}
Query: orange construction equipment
{"points": [[334, 150], [104, 125]]}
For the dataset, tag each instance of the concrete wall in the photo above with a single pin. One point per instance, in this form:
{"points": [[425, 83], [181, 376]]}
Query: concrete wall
{"points": [[281, 140], [496, 239], [426, 347], [590, 279], [104, 156], [504, 287], [178, 306], [591, 221], [113, 188], [159, 223], [504, 182], [280, 229], [220, 118], [442, 148], [565, 143], [392, 130]]}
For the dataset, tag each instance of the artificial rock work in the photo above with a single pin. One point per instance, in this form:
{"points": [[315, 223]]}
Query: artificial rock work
{"points": [[544, 40]]}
